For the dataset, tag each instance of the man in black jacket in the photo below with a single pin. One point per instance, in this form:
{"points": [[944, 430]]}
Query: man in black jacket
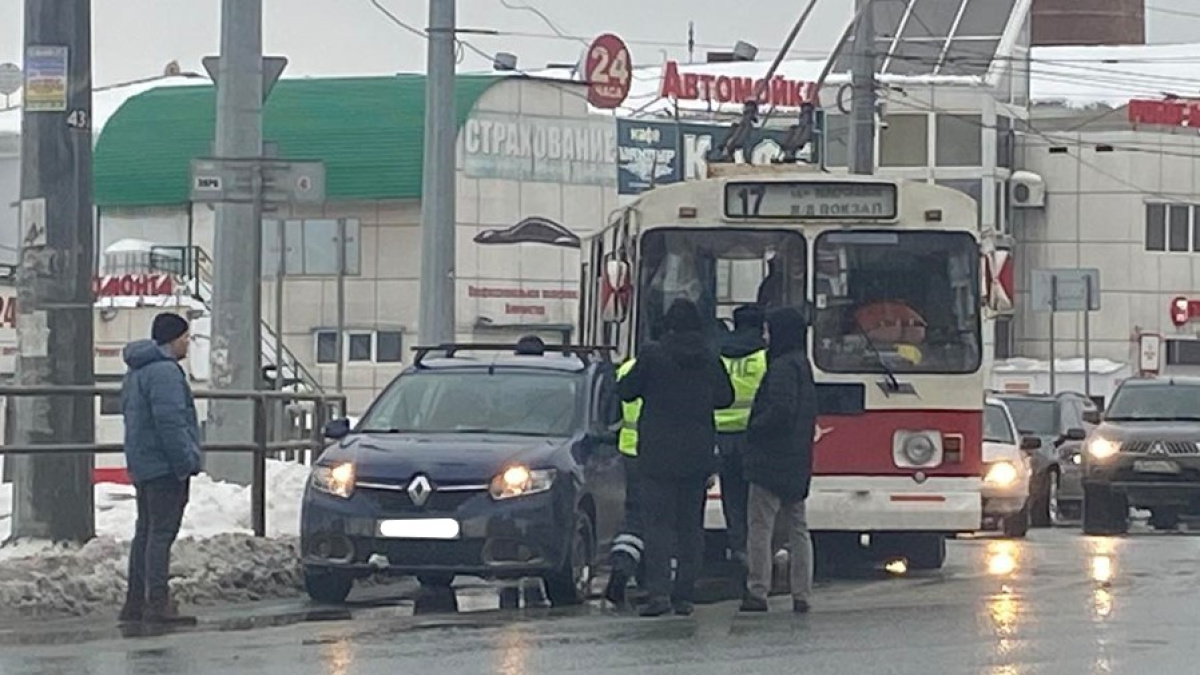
{"points": [[681, 383], [779, 460]]}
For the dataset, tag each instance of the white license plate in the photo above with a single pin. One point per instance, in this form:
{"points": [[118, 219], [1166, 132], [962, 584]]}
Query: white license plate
{"points": [[1155, 466], [419, 528]]}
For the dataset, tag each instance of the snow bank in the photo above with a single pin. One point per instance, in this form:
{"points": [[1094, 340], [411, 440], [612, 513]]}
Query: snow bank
{"points": [[214, 508], [216, 560], [65, 581]]}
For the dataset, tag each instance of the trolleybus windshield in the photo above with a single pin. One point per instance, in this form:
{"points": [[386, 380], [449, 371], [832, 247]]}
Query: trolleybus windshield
{"points": [[908, 300], [718, 269]]}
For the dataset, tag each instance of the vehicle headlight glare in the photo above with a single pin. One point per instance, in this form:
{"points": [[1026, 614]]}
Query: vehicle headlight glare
{"points": [[335, 479], [919, 450], [1077, 459], [519, 481], [1001, 474], [1102, 448]]}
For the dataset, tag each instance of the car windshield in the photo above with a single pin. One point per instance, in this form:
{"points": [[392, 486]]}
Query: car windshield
{"points": [[996, 428], [1034, 416], [1156, 402], [907, 302], [499, 402]]}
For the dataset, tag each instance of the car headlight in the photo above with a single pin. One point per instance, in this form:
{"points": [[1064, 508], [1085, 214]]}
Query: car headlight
{"points": [[919, 450], [519, 481], [1001, 474], [1102, 448], [1077, 458], [334, 479]]}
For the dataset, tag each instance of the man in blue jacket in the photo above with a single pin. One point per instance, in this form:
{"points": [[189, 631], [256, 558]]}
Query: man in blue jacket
{"points": [[162, 453]]}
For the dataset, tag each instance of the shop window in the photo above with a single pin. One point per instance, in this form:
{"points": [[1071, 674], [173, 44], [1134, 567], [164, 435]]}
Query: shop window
{"points": [[1003, 337], [1183, 352], [1156, 227], [359, 345], [310, 247], [1179, 228], [905, 141], [959, 140]]}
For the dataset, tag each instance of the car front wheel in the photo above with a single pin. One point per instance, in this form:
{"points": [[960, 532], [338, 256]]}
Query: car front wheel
{"points": [[1105, 512], [572, 583], [327, 586]]}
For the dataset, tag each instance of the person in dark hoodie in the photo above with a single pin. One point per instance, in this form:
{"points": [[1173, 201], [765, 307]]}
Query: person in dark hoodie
{"points": [[162, 453], [681, 383], [744, 355], [779, 460]]}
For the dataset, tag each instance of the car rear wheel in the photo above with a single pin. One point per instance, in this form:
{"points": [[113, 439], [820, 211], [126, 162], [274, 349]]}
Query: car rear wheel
{"points": [[1105, 512], [925, 551], [572, 583], [1016, 526], [1164, 519], [327, 586]]}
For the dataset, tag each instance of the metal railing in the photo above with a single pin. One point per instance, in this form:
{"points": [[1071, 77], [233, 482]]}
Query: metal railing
{"points": [[261, 445]]}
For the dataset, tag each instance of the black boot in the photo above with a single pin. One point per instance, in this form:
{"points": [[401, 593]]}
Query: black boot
{"points": [[658, 606], [132, 610], [618, 582], [162, 610]]}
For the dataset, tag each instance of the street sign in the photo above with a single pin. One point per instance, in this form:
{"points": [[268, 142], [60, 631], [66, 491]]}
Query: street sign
{"points": [[11, 79], [234, 180], [272, 69], [33, 222], [1065, 290], [1149, 353], [46, 82], [608, 72]]}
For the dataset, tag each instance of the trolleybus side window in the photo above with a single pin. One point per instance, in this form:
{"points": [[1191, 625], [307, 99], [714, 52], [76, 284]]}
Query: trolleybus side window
{"points": [[909, 300], [718, 269]]}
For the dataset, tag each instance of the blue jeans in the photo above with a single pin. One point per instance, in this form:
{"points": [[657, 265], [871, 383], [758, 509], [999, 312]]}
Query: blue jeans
{"points": [[160, 506]]}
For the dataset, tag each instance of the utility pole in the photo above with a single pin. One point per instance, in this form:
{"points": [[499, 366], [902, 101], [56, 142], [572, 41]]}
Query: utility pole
{"points": [[437, 320], [53, 493], [236, 356], [862, 82]]}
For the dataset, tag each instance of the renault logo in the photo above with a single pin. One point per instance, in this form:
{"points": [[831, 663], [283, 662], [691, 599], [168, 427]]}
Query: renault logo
{"points": [[419, 490]]}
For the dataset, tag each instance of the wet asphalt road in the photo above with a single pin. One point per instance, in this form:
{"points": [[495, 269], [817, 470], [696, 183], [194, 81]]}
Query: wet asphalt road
{"points": [[1057, 603]]}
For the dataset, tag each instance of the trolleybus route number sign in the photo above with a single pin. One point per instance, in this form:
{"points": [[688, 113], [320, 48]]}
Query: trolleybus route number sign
{"points": [[811, 200]]}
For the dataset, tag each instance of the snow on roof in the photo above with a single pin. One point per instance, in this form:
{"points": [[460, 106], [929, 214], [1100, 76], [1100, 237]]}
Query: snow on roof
{"points": [[1081, 77], [1021, 366], [130, 246], [106, 101]]}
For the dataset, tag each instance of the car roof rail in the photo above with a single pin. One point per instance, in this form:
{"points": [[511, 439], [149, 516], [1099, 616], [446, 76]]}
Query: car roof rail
{"points": [[586, 353]]}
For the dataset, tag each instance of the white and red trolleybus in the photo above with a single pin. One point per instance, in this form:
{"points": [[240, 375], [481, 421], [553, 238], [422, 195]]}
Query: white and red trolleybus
{"points": [[888, 272]]}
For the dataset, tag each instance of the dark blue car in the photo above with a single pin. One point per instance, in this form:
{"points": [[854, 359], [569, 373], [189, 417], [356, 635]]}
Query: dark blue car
{"points": [[499, 466]]}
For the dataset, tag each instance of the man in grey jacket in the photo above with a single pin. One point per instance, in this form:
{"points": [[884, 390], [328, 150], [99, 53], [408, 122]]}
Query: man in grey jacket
{"points": [[162, 453]]}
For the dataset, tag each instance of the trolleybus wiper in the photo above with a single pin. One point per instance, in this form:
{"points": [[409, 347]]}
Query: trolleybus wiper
{"points": [[893, 383]]}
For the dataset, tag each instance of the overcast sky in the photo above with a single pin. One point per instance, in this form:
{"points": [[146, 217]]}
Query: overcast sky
{"points": [[137, 38]]}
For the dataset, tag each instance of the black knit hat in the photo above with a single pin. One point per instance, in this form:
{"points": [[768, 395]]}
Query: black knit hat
{"points": [[168, 327]]}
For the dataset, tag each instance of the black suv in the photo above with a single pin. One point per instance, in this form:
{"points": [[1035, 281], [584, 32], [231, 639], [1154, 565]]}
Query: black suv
{"points": [[501, 466], [1060, 422], [1146, 454]]}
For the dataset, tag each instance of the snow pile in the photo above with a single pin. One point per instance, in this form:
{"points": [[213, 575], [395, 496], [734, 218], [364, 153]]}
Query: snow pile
{"points": [[214, 508], [225, 568], [216, 560]]}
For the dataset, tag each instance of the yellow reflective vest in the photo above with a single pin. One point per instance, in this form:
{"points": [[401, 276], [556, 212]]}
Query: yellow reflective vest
{"points": [[745, 374], [629, 417]]}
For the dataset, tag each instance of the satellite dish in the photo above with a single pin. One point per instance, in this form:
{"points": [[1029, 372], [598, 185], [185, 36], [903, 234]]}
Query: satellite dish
{"points": [[11, 79]]}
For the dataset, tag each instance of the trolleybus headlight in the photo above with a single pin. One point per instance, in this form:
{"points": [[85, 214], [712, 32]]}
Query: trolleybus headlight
{"points": [[919, 450], [1102, 448], [1001, 474]]}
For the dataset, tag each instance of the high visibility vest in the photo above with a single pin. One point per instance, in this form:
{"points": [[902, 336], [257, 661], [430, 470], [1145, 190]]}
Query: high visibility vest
{"points": [[630, 412], [745, 374]]}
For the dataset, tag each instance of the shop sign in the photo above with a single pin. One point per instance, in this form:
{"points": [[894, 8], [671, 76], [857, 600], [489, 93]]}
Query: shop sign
{"points": [[579, 151], [1184, 311], [1169, 113], [522, 301], [778, 92], [140, 285], [651, 153]]}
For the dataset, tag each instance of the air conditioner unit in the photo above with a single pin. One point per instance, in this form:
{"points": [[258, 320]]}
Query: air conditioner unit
{"points": [[1026, 190]]}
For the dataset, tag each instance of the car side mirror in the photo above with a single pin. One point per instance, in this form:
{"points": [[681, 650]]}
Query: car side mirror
{"points": [[1030, 443], [337, 429], [1075, 434], [1091, 416]]}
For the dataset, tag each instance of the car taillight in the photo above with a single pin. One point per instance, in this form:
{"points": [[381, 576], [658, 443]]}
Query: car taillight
{"points": [[952, 445]]}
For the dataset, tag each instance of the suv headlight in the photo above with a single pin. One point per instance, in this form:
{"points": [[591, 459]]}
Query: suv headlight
{"points": [[334, 479], [519, 481], [1001, 474], [1102, 448]]}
